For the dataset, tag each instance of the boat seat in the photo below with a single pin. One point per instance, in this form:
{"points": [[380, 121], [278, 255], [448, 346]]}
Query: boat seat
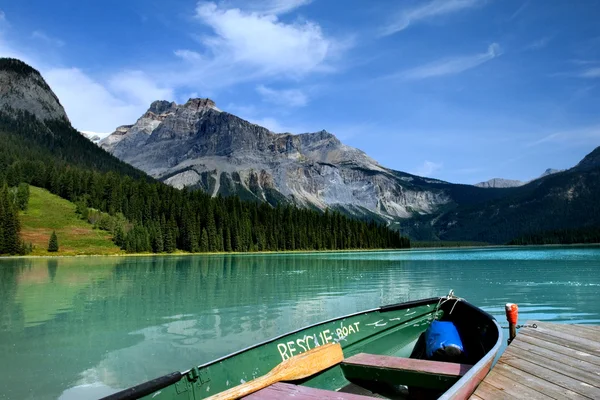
{"points": [[403, 371], [288, 391]]}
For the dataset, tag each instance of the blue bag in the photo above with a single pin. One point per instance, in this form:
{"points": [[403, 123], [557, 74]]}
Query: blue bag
{"points": [[442, 342]]}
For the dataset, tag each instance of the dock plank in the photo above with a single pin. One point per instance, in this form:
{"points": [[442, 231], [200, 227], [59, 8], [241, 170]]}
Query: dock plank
{"points": [[532, 381], [558, 349], [551, 361], [558, 340], [558, 332], [513, 388], [557, 366], [565, 381], [525, 348], [577, 330], [594, 328], [485, 391]]}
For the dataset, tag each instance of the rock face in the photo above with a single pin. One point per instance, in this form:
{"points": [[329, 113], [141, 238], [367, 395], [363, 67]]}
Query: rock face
{"points": [[23, 88], [500, 183], [199, 146]]}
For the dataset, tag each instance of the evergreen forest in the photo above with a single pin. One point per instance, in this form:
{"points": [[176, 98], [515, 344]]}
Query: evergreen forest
{"points": [[145, 215]]}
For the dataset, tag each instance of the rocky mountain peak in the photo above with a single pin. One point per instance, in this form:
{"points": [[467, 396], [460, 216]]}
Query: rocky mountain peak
{"points": [[161, 106], [199, 103], [500, 183], [23, 88]]}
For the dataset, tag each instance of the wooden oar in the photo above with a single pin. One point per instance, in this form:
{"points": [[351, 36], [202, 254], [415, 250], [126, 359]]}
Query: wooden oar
{"points": [[297, 367]]}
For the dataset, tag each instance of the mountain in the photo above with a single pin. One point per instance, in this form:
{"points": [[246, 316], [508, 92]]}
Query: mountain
{"points": [[507, 183], [558, 201], [500, 183], [40, 148], [22, 88], [199, 146]]}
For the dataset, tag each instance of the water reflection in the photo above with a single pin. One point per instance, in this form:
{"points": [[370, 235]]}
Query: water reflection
{"points": [[84, 326]]}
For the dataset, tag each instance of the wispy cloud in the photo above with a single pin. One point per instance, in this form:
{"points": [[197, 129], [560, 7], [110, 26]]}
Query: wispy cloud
{"points": [[587, 136], [47, 39], [434, 8], [539, 43], [451, 66], [428, 168], [585, 62], [519, 10], [590, 73], [286, 97], [275, 7]]}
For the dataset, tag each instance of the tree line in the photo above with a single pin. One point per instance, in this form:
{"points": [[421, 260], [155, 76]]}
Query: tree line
{"points": [[145, 215], [560, 236]]}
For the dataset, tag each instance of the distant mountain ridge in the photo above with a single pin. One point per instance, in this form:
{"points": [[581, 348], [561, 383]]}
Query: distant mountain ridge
{"points": [[198, 145], [508, 183], [500, 183]]}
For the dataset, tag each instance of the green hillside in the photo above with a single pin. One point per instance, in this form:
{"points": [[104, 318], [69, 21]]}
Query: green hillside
{"points": [[47, 213]]}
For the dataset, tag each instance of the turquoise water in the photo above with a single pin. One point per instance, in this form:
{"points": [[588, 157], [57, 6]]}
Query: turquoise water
{"points": [[77, 328]]}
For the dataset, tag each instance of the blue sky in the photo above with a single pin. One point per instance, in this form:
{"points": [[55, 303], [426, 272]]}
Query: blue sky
{"points": [[461, 90]]}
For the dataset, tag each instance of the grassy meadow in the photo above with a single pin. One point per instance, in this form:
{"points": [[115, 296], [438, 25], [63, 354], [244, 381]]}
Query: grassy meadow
{"points": [[46, 213]]}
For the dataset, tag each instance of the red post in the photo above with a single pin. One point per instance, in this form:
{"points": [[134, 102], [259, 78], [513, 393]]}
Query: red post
{"points": [[512, 316]]}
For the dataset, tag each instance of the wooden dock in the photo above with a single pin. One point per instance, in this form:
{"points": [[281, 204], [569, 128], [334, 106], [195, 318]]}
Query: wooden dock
{"points": [[552, 361]]}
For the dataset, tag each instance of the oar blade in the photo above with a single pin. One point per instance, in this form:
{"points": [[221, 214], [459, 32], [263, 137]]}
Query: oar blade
{"points": [[298, 367], [309, 363]]}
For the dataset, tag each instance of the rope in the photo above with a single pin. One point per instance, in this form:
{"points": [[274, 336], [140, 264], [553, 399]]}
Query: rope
{"points": [[534, 326], [448, 298]]}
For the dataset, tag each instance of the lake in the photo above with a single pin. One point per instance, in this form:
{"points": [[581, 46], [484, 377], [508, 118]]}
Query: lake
{"points": [[77, 328]]}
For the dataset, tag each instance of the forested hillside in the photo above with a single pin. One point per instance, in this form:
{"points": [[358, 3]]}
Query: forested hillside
{"points": [[145, 215]]}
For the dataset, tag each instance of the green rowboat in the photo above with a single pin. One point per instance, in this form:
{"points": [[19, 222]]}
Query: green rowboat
{"points": [[383, 352]]}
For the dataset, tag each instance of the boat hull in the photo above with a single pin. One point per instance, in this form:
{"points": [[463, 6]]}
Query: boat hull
{"points": [[390, 330]]}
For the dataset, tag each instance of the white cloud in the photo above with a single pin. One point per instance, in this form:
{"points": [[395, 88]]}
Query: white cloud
{"points": [[47, 39], [451, 66], [276, 7], [251, 45], [2, 16], [287, 97], [429, 10], [262, 42], [137, 88], [97, 107], [188, 55], [270, 123], [428, 168]]}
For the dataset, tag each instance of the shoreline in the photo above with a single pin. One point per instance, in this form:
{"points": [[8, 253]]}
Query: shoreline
{"points": [[284, 252]]}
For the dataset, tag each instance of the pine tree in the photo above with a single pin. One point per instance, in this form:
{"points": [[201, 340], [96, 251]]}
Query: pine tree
{"points": [[204, 241], [23, 196], [53, 243], [119, 238]]}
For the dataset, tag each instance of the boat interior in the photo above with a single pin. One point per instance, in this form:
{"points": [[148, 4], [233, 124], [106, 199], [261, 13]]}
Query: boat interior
{"points": [[401, 371]]}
